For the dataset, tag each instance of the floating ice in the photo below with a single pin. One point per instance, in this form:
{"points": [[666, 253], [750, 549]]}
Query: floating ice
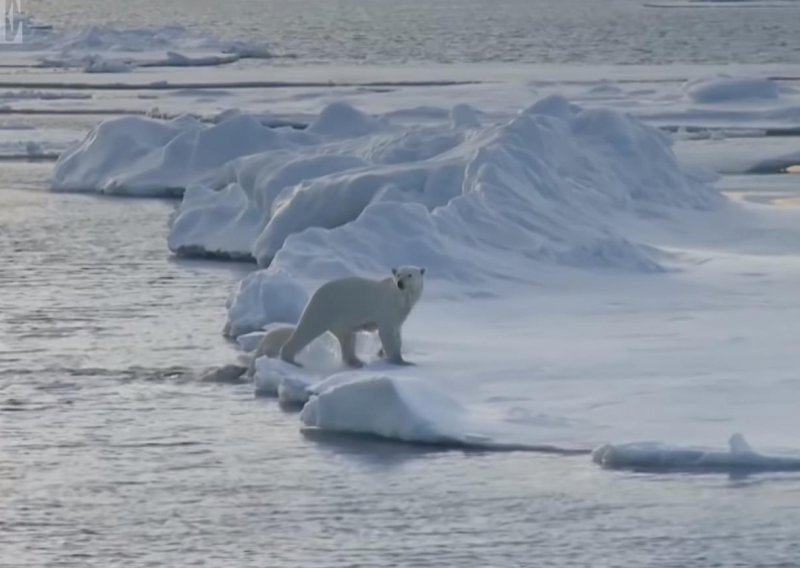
{"points": [[99, 64], [650, 456], [399, 408], [293, 391], [778, 164], [732, 89], [340, 120], [290, 383]]}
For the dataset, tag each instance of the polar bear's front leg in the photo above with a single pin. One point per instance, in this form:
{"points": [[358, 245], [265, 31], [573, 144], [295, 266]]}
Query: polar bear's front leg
{"points": [[392, 344]]}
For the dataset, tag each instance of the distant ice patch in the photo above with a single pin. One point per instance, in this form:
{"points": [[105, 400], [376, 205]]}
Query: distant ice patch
{"points": [[106, 49], [728, 89], [652, 456]]}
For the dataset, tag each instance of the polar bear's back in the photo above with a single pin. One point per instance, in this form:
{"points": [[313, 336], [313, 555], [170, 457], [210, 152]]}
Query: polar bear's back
{"points": [[354, 288], [352, 300]]}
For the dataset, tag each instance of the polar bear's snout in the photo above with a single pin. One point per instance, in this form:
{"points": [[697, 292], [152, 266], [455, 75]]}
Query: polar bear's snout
{"points": [[409, 277]]}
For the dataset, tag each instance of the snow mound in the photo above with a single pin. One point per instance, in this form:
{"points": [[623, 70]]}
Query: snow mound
{"points": [[228, 221], [649, 456], [465, 116], [554, 185], [342, 120], [398, 408], [260, 299], [731, 90], [147, 157]]}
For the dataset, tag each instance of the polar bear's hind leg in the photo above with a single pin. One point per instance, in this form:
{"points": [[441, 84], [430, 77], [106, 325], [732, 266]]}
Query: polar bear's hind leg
{"points": [[305, 332]]}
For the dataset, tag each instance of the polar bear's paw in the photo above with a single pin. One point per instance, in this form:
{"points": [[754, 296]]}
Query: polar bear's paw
{"points": [[354, 362]]}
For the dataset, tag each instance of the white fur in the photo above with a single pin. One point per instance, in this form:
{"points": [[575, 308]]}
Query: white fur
{"points": [[348, 305], [270, 345]]}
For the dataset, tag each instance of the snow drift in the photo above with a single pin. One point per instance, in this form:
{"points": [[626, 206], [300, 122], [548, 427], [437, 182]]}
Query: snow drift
{"points": [[146, 157], [550, 186], [407, 409]]}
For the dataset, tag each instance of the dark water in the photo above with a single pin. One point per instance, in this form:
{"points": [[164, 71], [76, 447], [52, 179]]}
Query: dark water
{"points": [[532, 31]]}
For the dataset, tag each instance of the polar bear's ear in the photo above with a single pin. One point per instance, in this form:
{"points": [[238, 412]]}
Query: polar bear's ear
{"points": [[394, 272], [422, 271]]}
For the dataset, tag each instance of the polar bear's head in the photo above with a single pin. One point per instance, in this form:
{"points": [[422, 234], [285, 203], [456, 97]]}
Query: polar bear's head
{"points": [[409, 279]]}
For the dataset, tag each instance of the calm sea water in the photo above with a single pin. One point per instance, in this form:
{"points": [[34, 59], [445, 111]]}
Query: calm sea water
{"points": [[533, 31]]}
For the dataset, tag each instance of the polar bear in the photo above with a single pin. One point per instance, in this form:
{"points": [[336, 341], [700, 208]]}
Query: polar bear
{"points": [[349, 305]]}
